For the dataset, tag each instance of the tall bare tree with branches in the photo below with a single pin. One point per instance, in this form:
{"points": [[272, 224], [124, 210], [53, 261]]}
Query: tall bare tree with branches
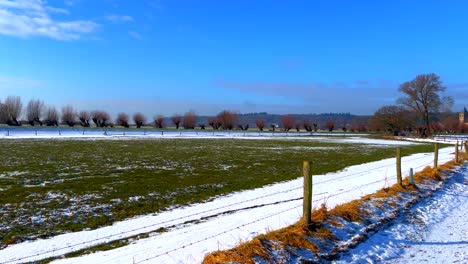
{"points": [[13, 107], [100, 118], [68, 116], [392, 118], [84, 117], [51, 116], [34, 111], [422, 95]]}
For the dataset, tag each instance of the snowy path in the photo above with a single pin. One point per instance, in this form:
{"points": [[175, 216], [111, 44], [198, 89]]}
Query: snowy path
{"points": [[227, 220], [434, 231]]}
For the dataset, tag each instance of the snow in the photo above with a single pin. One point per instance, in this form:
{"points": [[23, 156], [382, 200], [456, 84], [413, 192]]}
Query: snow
{"points": [[434, 231], [194, 231], [116, 133]]}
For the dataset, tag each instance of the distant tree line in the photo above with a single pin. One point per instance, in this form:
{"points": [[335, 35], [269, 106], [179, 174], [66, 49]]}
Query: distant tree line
{"points": [[421, 109], [37, 113]]}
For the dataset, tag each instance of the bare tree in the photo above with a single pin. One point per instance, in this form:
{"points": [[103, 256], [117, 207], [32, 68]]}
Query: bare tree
{"points": [[288, 122], [51, 116], [159, 121], [392, 118], [260, 124], [122, 120], [214, 122], [34, 111], [3, 113], [176, 120], [422, 95], [307, 125], [68, 116], [100, 118], [189, 121], [227, 119], [298, 126], [330, 125], [452, 124], [243, 127], [436, 127], [84, 117], [139, 120], [13, 107]]}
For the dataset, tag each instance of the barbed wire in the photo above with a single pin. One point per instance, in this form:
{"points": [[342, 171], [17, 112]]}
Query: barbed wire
{"points": [[119, 235], [160, 223], [218, 234]]}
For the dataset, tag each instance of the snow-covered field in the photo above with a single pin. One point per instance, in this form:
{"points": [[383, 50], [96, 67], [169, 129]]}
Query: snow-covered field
{"points": [[45, 132], [194, 231], [433, 231], [56, 133]]}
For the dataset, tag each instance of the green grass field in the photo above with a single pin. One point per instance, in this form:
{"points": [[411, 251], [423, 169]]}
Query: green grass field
{"points": [[50, 187]]}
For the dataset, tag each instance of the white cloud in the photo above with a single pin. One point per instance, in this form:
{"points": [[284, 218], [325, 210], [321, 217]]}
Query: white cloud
{"points": [[30, 18], [119, 19]]}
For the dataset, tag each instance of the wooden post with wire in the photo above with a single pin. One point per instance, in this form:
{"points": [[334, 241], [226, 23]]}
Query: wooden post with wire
{"points": [[307, 205], [398, 166], [436, 155], [456, 152]]}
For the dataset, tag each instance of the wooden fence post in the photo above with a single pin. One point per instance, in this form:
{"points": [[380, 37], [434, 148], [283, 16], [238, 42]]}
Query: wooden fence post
{"points": [[398, 166], [307, 205], [456, 152], [436, 155]]}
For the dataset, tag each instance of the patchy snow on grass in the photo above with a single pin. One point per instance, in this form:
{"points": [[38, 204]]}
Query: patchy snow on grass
{"points": [[194, 231]]}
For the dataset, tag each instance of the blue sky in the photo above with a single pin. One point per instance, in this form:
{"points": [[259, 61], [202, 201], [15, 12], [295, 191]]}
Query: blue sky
{"points": [[172, 56]]}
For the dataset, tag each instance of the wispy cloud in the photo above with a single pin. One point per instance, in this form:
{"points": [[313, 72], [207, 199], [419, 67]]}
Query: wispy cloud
{"points": [[31, 18], [8, 83], [119, 19], [135, 35], [361, 97]]}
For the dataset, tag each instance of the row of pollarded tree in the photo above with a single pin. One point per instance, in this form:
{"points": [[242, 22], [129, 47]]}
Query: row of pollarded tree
{"points": [[37, 113], [421, 109]]}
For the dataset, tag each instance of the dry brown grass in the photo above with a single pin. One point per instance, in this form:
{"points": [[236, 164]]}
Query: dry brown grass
{"points": [[244, 253], [431, 173], [320, 215], [297, 234]]}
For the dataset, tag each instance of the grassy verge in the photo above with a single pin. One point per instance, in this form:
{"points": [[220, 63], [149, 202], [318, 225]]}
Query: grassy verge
{"points": [[50, 187]]}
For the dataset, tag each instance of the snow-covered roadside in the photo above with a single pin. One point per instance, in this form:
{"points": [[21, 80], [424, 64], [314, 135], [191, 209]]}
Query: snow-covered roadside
{"points": [[433, 231], [220, 230]]}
